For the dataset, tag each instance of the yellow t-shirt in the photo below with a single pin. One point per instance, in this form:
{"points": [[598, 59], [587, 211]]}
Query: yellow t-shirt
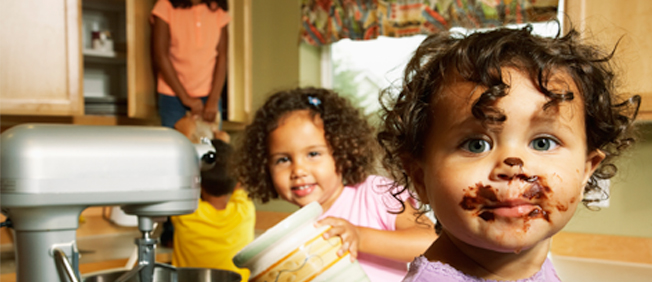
{"points": [[211, 238]]}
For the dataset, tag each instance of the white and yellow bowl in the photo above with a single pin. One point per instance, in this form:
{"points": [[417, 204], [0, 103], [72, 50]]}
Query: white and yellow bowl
{"points": [[295, 250]]}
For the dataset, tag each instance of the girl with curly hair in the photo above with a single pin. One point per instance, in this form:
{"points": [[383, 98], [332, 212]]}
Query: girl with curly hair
{"points": [[502, 133], [309, 144]]}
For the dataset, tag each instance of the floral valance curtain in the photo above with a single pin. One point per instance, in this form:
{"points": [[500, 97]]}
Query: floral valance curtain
{"points": [[327, 21]]}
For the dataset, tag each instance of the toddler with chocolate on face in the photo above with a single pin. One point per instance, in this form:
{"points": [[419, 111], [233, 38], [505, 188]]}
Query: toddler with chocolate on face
{"points": [[502, 133]]}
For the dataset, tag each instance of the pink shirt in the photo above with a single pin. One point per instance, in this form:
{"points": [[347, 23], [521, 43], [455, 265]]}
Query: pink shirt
{"points": [[194, 35], [367, 205]]}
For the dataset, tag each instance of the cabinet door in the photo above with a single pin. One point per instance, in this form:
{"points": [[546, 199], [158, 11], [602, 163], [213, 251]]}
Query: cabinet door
{"points": [[607, 21], [140, 80], [239, 60], [40, 58]]}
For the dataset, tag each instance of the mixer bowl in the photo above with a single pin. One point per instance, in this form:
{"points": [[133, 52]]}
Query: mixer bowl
{"points": [[164, 274]]}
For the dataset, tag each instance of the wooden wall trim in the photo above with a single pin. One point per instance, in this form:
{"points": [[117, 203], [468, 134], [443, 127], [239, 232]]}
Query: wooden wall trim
{"points": [[606, 247]]}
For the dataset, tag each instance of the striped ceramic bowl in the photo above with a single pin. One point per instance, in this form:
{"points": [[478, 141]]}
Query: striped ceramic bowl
{"points": [[294, 250]]}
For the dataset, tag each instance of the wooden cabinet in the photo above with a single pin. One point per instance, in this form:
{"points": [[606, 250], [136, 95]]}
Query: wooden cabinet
{"points": [[40, 58], [141, 87], [44, 60], [240, 63], [605, 22], [47, 70]]}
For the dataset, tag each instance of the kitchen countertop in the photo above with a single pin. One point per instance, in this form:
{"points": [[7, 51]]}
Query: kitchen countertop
{"points": [[603, 247], [598, 270], [104, 245]]}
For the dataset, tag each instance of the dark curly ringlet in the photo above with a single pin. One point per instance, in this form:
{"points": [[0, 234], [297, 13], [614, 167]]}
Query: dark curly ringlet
{"points": [[349, 135], [479, 58]]}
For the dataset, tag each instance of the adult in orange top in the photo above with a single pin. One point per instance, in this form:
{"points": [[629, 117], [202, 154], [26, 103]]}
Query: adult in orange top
{"points": [[190, 39]]}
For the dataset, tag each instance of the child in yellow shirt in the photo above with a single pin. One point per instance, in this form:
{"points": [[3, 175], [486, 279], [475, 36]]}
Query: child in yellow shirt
{"points": [[222, 224]]}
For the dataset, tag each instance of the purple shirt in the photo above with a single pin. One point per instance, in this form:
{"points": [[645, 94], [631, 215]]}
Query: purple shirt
{"points": [[423, 270], [368, 204]]}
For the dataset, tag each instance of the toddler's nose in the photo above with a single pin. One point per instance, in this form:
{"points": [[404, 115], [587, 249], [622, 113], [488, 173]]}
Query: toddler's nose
{"points": [[298, 171], [509, 168], [513, 162]]}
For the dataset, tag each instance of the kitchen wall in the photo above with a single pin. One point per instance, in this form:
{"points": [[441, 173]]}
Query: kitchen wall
{"points": [[630, 209], [280, 61]]}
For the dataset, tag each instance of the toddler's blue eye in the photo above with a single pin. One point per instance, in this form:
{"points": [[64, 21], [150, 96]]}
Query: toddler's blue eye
{"points": [[476, 146], [543, 144], [313, 154]]}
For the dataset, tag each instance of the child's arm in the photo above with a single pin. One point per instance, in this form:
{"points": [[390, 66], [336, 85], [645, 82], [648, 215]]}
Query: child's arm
{"points": [[210, 109], [161, 43], [409, 240]]}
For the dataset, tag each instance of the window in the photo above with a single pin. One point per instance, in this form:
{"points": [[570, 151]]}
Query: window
{"points": [[359, 70]]}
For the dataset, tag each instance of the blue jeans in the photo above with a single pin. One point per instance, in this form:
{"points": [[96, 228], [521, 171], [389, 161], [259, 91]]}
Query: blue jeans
{"points": [[172, 110]]}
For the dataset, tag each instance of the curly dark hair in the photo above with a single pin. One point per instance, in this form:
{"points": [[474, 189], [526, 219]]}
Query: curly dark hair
{"points": [[478, 58], [349, 135]]}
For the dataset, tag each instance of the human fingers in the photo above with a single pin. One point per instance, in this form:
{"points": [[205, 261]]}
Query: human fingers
{"points": [[194, 103], [196, 107], [210, 113], [347, 233], [336, 226], [353, 252], [349, 242]]}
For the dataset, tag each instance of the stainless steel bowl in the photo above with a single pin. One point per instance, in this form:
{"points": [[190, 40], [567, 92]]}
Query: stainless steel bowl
{"points": [[179, 274]]}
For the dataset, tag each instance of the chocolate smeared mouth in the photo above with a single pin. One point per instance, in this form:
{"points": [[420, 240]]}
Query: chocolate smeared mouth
{"points": [[485, 199], [478, 195], [487, 215], [538, 190], [539, 213]]}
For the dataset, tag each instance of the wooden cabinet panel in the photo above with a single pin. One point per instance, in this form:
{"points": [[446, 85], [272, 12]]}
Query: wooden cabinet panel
{"points": [[605, 22], [239, 61], [40, 55], [140, 81], [42, 63]]}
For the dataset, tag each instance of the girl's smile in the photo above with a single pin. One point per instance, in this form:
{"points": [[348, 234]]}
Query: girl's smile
{"points": [[303, 190], [301, 163]]}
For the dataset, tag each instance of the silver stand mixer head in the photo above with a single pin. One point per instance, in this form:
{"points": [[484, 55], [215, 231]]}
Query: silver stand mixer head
{"points": [[51, 173]]}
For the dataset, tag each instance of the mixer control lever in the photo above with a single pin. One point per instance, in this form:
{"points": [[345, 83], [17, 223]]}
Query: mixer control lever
{"points": [[146, 253], [64, 267]]}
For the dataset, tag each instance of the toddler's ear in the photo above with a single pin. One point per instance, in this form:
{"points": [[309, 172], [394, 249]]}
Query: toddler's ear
{"points": [[593, 160], [415, 172]]}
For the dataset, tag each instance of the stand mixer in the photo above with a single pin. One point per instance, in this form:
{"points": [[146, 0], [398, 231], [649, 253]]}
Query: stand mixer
{"points": [[51, 173]]}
